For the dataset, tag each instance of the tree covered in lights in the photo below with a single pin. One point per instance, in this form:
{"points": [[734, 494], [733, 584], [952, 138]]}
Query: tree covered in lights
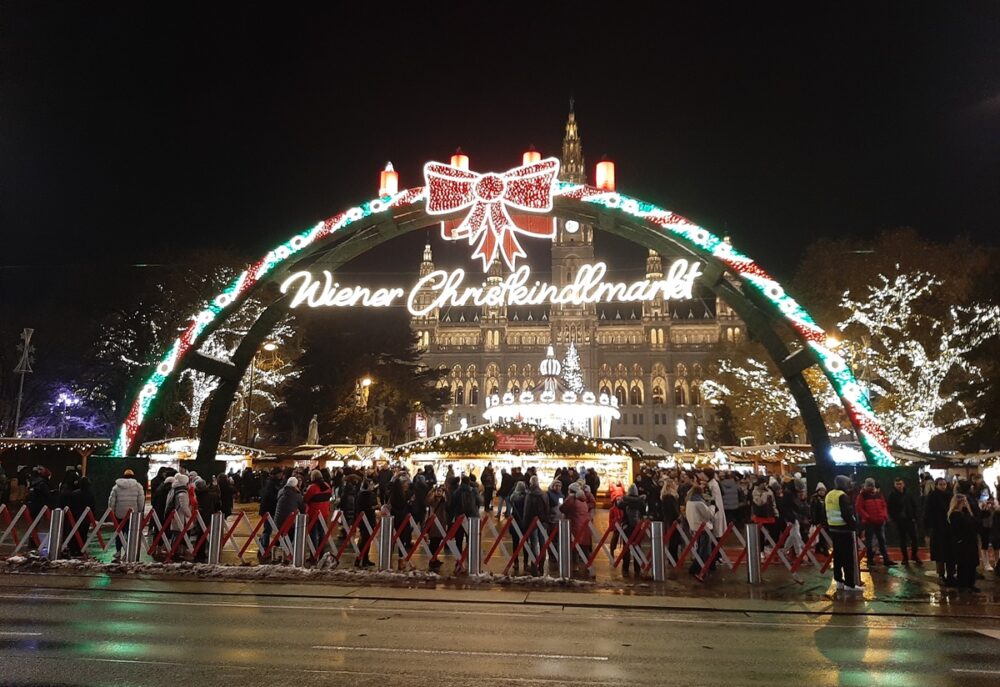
{"points": [[571, 373], [757, 401], [914, 356]]}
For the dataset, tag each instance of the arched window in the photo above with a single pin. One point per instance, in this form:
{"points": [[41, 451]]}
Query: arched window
{"points": [[635, 396], [657, 395], [460, 395], [695, 395], [680, 398], [474, 395], [620, 394], [605, 390]]}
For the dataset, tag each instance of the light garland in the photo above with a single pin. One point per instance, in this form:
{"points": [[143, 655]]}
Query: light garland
{"points": [[854, 398]]}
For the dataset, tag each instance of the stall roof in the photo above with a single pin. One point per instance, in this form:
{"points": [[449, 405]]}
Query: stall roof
{"points": [[189, 446], [643, 447]]}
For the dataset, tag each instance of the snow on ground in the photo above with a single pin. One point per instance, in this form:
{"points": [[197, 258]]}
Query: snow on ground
{"points": [[322, 573]]}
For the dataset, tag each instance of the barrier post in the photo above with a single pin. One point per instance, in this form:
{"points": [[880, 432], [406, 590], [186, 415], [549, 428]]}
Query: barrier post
{"points": [[475, 556], [565, 551], [133, 543], [753, 552], [299, 542], [656, 532], [385, 543], [55, 534], [216, 525]]}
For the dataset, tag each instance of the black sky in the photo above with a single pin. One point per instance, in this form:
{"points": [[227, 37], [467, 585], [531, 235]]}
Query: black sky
{"points": [[134, 133]]}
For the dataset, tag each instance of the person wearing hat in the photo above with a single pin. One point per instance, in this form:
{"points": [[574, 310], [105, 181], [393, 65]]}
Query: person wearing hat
{"points": [[873, 512], [842, 526], [127, 496]]}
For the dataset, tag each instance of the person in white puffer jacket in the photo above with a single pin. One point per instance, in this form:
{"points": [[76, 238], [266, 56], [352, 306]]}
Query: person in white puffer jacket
{"points": [[126, 496]]}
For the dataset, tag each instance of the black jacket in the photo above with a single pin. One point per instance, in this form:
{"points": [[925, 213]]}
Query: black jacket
{"points": [[902, 506], [936, 510], [269, 497]]}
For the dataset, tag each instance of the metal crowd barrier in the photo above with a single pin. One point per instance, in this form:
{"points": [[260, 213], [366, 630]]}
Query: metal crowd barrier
{"points": [[654, 547]]}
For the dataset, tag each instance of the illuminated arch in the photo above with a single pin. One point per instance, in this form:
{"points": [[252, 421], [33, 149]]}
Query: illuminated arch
{"points": [[760, 301]]}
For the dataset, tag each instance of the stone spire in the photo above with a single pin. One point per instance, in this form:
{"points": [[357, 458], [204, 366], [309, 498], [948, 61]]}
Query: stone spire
{"points": [[427, 264], [573, 168]]}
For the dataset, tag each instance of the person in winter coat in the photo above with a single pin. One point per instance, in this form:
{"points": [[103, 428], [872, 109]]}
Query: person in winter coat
{"points": [[437, 507], [208, 504], [365, 505], [317, 500], [730, 491], [698, 513], [633, 507], [158, 501], [227, 493], [179, 502], [903, 511], [516, 500], [817, 514], [873, 512], [504, 493], [536, 505], [268, 504], [713, 497], [764, 509], [290, 503], [616, 492], [842, 528], [127, 496], [39, 491], [936, 524], [400, 495], [671, 513], [489, 482], [964, 530]]}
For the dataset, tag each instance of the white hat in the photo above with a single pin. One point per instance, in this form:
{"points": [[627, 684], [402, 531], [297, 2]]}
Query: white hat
{"points": [[292, 482]]}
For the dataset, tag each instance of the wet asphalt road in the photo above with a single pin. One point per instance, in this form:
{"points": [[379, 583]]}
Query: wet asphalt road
{"points": [[52, 636]]}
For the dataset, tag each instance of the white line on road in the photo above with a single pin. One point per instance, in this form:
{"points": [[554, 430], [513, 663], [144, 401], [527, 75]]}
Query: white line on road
{"points": [[977, 671], [995, 634], [456, 652], [24, 634]]}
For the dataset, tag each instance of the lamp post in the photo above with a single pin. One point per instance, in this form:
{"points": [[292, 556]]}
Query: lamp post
{"points": [[248, 439]]}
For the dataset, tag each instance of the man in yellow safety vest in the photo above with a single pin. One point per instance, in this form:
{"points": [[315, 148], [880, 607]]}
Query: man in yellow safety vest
{"points": [[842, 526]]}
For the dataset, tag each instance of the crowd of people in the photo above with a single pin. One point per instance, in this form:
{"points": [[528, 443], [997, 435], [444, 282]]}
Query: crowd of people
{"points": [[960, 518]]}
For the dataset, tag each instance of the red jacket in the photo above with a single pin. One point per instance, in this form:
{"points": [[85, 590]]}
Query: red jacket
{"points": [[871, 508], [576, 511], [317, 498]]}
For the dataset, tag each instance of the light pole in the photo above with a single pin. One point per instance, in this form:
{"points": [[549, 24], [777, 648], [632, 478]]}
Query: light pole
{"points": [[249, 440]]}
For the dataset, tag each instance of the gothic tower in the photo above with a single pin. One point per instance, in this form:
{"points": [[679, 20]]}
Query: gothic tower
{"points": [[572, 247]]}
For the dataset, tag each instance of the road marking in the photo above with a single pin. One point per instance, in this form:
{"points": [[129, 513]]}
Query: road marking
{"points": [[25, 634], [978, 671], [995, 634], [288, 669], [456, 652]]}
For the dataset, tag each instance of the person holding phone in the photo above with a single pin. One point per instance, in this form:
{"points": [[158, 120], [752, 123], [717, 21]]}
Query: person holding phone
{"points": [[965, 541]]}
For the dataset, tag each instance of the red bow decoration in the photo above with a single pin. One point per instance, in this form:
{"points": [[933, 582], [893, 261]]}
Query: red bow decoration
{"points": [[527, 188]]}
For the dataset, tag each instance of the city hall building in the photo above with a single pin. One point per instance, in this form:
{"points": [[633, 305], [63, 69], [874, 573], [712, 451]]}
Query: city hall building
{"points": [[653, 355]]}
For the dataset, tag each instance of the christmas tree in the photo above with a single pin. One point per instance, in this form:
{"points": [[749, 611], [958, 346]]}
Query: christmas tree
{"points": [[571, 370]]}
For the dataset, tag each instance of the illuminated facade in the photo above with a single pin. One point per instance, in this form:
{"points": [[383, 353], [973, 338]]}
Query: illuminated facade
{"points": [[652, 356]]}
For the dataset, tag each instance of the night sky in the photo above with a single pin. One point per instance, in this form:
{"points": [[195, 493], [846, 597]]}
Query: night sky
{"points": [[138, 134]]}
